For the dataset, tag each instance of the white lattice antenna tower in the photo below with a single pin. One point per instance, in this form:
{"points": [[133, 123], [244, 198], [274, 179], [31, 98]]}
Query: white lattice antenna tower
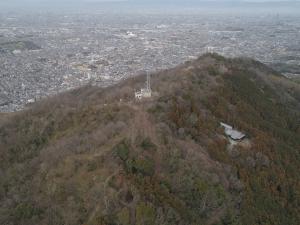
{"points": [[148, 84], [146, 91]]}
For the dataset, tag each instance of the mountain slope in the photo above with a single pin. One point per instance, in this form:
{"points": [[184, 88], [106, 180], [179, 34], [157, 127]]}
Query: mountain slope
{"points": [[96, 156]]}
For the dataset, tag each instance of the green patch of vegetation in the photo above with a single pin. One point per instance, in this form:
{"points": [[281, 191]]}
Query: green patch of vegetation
{"points": [[24, 211], [91, 166], [124, 217], [212, 70], [122, 150], [144, 166], [230, 218], [148, 145], [145, 214]]}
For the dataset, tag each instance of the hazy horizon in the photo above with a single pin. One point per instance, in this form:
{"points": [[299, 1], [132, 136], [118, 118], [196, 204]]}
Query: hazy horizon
{"points": [[275, 6]]}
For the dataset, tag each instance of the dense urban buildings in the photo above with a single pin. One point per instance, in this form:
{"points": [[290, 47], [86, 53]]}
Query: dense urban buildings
{"points": [[43, 54]]}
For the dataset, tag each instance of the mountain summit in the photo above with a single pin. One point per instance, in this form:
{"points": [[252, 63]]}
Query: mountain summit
{"points": [[98, 156]]}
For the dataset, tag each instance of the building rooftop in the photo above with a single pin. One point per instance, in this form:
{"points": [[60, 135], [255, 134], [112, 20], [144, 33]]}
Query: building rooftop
{"points": [[232, 133]]}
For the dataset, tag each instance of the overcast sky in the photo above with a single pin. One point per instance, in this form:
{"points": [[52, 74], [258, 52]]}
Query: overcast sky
{"points": [[145, 4], [135, 1], [142, 0]]}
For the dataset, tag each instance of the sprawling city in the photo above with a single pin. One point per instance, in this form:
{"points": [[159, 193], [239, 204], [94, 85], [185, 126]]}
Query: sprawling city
{"points": [[47, 53]]}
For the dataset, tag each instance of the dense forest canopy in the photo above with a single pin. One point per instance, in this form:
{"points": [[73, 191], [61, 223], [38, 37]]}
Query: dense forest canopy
{"points": [[97, 156]]}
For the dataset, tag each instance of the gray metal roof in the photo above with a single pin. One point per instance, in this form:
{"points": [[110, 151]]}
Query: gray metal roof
{"points": [[232, 133]]}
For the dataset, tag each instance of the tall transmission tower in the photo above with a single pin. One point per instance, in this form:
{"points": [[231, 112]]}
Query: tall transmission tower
{"points": [[146, 91], [148, 83]]}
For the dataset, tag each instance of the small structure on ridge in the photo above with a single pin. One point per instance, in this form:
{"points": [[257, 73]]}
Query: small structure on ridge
{"points": [[144, 92], [232, 133]]}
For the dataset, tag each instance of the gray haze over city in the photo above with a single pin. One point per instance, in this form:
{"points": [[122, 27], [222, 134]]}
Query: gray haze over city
{"points": [[47, 47]]}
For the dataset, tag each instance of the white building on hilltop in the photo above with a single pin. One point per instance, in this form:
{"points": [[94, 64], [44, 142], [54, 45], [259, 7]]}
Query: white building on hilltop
{"points": [[210, 49], [232, 133], [144, 92]]}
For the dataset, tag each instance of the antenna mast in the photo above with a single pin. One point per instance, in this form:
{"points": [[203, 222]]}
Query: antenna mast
{"points": [[148, 82]]}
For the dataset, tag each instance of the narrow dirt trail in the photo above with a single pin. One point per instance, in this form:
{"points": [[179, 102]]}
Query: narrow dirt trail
{"points": [[140, 123], [142, 126]]}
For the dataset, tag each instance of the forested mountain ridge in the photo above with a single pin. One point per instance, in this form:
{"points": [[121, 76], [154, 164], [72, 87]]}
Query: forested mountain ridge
{"points": [[97, 156]]}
